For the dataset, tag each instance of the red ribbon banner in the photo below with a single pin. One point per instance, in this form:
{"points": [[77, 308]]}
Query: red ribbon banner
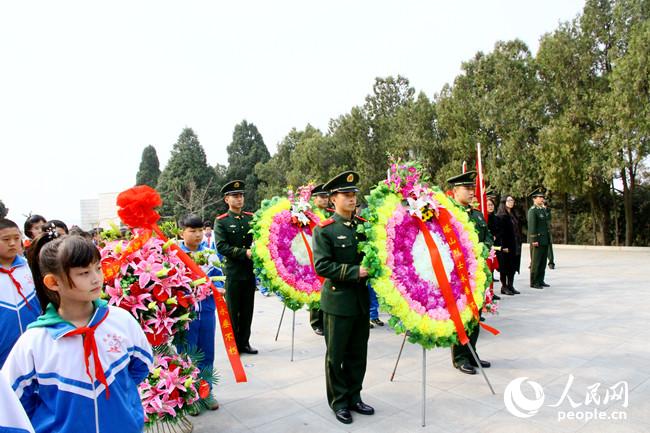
{"points": [[222, 310], [111, 267], [443, 282], [444, 218], [310, 253]]}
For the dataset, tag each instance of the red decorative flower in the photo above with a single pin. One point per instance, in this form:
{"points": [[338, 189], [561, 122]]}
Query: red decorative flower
{"points": [[137, 206], [160, 294], [157, 339], [204, 389]]}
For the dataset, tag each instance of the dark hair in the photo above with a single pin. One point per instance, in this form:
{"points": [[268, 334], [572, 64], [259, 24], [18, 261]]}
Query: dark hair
{"points": [[29, 223], [78, 231], [52, 254], [503, 209], [8, 224], [191, 221], [207, 224], [59, 224]]}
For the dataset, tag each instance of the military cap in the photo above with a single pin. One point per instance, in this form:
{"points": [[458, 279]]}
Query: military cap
{"points": [[233, 187], [491, 194], [344, 182], [463, 179], [318, 190], [538, 192]]}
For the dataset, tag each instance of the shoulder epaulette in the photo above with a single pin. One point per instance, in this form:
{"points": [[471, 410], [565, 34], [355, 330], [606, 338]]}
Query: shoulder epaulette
{"points": [[363, 220], [326, 222], [248, 213], [222, 216]]}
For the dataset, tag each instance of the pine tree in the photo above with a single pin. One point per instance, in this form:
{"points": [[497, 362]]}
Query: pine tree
{"points": [[149, 171], [188, 184], [246, 150]]}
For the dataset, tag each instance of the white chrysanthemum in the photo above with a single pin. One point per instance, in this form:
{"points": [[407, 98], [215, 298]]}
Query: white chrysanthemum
{"points": [[299, 250], [422, 260]]}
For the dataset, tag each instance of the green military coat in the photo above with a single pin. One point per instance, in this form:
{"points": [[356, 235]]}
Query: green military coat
{"points": [[481, 226], [538, 226], [337, 259], [233, 238]]}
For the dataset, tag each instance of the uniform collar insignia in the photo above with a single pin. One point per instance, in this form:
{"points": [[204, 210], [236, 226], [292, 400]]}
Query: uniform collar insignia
{"points": [[341, 237]]}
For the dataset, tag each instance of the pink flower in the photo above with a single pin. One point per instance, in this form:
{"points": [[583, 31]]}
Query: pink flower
{"points": [[163, 319], [136, 303], [146, 269]]}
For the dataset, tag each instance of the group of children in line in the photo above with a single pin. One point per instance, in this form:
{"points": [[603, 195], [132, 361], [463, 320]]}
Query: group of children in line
{"points": [[70, 362]]}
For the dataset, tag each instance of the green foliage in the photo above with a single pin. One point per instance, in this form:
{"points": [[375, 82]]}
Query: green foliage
{"points": [[171, 229], [3, 210], [246, 150], [494, 102], [188, 184], [575, 118], [149, 168], [114, 233]]}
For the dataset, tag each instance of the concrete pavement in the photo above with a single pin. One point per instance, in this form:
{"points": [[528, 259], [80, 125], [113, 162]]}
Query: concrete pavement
{"points": [[591, 325]]}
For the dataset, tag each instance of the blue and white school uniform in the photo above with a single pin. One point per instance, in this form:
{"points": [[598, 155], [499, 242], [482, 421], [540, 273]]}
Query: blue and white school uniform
{"points": [[47, 369], [202, 329], [19, 305], [208, 242], [13, 418]]}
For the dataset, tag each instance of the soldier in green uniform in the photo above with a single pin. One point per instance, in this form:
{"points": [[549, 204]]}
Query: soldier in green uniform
{"points": [[463, 189], [538, 239], [344, 299], [233, 240], [321, 202]]}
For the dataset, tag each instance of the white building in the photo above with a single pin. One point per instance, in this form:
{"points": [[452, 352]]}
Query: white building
{"points": [[100, 211], [89, 213]]}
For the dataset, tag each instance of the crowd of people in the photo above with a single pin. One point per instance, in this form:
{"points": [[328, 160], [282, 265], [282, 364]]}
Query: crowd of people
{"points": [[58, 332]]}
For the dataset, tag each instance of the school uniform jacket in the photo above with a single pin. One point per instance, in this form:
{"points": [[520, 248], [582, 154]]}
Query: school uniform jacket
{"points": [[13, 418], [15, 314], [47, 370], [207, 305]]}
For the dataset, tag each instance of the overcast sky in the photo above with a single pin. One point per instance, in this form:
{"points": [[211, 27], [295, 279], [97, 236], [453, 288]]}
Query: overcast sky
{"points": [[86, 85]]}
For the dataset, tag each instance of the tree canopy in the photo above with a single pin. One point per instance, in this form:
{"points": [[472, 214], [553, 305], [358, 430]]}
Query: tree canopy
{"points": [[149, 168]]}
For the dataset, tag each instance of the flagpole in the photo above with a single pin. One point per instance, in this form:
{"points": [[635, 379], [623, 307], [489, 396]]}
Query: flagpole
{"points": [[481, 181]]}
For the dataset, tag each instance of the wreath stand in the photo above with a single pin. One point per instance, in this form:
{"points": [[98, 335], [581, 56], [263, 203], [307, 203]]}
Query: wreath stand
{"points": [[293, 328], [424, 374]]}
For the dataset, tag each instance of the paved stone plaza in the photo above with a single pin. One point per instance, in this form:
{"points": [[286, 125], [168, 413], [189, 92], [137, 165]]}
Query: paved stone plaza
{"points": [[592, 323]]}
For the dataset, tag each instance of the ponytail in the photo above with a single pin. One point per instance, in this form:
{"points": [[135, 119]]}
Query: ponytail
{"points": [[52, 253], [42, 261]]}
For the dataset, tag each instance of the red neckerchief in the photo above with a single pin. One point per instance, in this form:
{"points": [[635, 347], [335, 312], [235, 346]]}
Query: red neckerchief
{"points": [[90, 347], [19, 288]]}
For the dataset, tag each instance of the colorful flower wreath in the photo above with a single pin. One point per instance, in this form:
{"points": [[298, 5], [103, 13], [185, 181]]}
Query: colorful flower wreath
{"points": [[155, 286], [282, 230], [400, 259], [174, 386]]}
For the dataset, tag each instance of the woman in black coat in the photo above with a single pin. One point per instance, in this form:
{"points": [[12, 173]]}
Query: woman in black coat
{"points": [[508, 237]]}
